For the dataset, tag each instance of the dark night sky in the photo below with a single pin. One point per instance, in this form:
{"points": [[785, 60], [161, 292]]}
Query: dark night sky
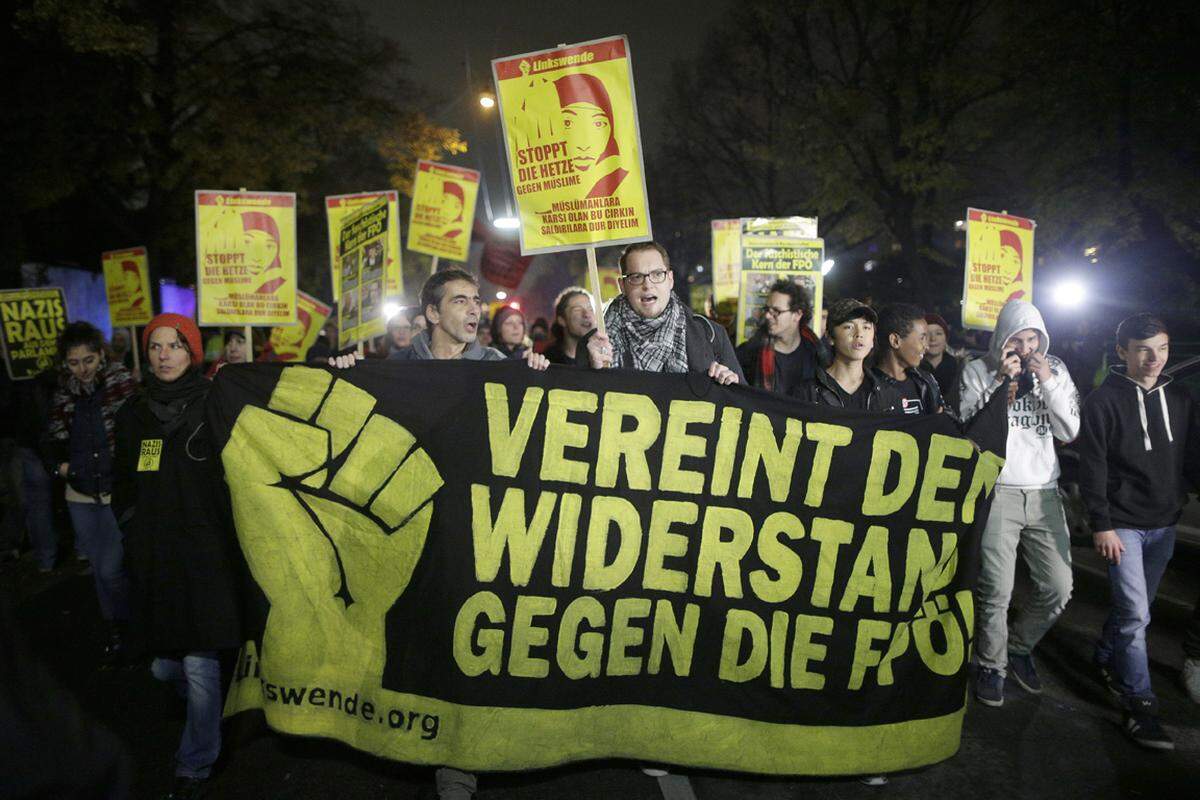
{"points": [[440, 37]]}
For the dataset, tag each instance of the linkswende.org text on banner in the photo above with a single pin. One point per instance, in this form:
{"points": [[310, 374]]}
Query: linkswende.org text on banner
{"points": [[493, 568]]}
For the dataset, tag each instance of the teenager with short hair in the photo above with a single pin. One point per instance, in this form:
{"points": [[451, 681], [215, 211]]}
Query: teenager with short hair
{"points": [[1139, 450], [902, 334], [846, 383]]}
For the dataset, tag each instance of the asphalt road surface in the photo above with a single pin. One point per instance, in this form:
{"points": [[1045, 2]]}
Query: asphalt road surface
{"points": [[1065, 743]]}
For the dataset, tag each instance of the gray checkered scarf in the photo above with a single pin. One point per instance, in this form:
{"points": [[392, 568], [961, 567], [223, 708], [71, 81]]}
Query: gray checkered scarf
{"points": [[657, 345]]}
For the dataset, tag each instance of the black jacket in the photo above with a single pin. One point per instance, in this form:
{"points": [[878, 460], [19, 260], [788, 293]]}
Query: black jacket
{"points": [[749, 355], [1134, 475], [823, 390], [181, 551], [705, 340], [927, 387]]}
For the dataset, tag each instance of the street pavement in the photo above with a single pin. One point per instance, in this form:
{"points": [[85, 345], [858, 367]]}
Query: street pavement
{"points": [[1065, 743]]}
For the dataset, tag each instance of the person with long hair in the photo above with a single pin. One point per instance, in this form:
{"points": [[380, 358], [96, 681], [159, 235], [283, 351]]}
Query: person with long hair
{"points": [[82, 432], [508, 332]]}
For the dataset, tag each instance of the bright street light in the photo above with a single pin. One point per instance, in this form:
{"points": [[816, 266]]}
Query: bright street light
{"points": [[827, 266], [390, 310], [501, 295], [486, 100], [1070, 293], [506, 223]]}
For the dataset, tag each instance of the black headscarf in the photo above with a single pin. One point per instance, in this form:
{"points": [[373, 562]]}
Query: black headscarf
{"points": [[168, 401]]}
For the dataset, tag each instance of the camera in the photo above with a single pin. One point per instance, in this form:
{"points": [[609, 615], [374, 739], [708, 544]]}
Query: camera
{"points": [[1024, 377]]}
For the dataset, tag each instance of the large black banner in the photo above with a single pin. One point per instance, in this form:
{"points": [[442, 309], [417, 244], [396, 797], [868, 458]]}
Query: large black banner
{"points": [[483, 566]]}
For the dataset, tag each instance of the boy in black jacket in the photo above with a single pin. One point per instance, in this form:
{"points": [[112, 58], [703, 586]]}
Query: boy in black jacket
{"points": [[1139, 442]]}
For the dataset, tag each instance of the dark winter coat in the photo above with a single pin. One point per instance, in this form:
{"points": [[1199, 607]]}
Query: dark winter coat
{"points": [[80, 429], [705, 340], [750, 356], [931, 393], [181, 551], [823, 390]]}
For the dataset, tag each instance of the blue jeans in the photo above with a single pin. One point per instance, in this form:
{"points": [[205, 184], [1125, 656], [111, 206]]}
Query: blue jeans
{"points": [[96, 526], [37, 501], [1133, 584], [197, 679]]}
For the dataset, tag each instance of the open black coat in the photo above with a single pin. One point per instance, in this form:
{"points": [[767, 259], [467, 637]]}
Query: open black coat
{"points": [[180, 546]]}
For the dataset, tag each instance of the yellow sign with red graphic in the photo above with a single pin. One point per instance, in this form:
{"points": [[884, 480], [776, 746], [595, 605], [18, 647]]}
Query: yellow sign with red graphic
{"points": [[127, 284], [291, 342], [726, 259], [246, 257], [999, 266], [443, 210], [574, 148], [338, 208]]}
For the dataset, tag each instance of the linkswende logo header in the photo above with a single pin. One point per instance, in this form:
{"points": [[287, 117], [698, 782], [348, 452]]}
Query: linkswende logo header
{"points": [[544, 64]]}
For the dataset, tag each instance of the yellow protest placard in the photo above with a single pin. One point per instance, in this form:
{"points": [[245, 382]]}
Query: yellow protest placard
{"points": [[999, 265], [291, 342], [246, 257], [573, 145], [774, 249], [362, 251], [443, 210], [31, 321], [340, 206], [726, 258], [610, 283], [127, 284]]}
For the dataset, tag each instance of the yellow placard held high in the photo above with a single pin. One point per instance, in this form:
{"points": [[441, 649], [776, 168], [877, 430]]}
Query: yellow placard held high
{"points": [[291, 342], [726, 258], [246, 257], [340, 206], [574, 148], [127, 284], [999, 265], [362, 251], [773, 249], [443, 210]]}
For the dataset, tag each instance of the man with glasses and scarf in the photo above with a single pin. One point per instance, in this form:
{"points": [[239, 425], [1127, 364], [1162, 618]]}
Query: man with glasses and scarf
{"points": [[649, 328]]}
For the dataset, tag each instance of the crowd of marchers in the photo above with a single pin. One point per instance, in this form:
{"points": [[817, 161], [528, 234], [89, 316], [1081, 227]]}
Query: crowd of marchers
{"points": [[134, 463]]}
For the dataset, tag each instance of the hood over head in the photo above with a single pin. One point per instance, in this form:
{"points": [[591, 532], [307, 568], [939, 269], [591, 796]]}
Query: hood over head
{"points": [[1016, 316]]}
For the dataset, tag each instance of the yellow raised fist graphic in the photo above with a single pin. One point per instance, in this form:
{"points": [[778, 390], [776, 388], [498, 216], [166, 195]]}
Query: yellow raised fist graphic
{"points": [[332, 504]]}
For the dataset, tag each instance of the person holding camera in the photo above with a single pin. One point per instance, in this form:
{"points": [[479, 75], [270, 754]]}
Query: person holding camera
{"points": [[1043, 405]]}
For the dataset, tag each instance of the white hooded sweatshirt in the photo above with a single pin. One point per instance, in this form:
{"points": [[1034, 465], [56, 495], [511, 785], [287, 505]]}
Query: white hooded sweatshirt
{"points": [[1050, 411]]}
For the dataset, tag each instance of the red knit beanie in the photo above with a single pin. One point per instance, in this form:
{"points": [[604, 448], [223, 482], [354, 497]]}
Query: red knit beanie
{"points": [[187, 329], [937, 319]]}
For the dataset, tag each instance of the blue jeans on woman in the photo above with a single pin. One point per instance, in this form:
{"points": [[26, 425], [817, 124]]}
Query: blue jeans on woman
{"points": [[96, 526], [1133, 584], [197, 679]]}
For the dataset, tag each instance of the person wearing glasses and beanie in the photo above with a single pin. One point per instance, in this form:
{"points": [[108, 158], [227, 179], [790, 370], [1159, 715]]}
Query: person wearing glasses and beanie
{"points": [[649, 328]]}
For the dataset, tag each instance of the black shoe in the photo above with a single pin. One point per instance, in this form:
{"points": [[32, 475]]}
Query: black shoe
{"points": [[186, 788], [1142, 725], [989, 687], [1108, 678], [1024, 672], [114, 650]]}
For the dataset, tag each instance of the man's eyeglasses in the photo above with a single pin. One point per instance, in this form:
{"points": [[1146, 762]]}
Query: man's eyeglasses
{"points": [[772, 311], [638, 278]]}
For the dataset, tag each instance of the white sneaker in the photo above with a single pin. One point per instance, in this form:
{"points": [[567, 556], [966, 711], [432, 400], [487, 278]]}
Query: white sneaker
{"points": [[655, 772], [1191, 678]]}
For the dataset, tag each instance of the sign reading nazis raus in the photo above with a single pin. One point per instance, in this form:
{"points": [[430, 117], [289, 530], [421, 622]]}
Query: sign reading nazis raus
{"points": [[487, 567]]}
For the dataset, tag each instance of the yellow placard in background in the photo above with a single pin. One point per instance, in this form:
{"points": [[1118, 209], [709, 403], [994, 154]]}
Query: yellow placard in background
{"points": [[999, 266], [127, 284], [362, 253], [574, 149], [246, 258], [291, 342], [443, 210], [340, 206], [774, 249]]}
